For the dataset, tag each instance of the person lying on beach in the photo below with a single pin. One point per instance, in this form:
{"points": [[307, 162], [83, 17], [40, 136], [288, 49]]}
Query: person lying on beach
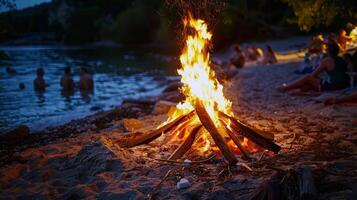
{"points": [[39, 83], [316, 45], [334, 66], [238, 60], [269, 56], [342, 40], [67, 82], [86, 81], [352, 98]]}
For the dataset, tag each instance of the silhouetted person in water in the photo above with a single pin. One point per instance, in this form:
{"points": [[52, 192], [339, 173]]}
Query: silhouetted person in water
{"points": [[67, 83], [22, 86], [10, 70], [86, 81], [39, 83]]}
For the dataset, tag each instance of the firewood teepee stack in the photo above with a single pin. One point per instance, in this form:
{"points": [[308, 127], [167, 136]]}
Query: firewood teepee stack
{"points": [[205, 116]]}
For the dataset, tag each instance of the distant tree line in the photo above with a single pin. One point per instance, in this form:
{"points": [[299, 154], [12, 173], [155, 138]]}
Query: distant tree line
{"points": [[158, 21], [317, 13]]}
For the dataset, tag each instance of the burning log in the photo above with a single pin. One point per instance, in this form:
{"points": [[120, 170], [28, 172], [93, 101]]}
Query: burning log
{"points": [[186, 145], [247, 132], [207, 106], [148, 137], [216, 136], [236, 140], [177, 132]]}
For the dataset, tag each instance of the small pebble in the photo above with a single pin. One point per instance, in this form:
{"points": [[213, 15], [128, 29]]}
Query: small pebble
{"points": [[183, 183]]}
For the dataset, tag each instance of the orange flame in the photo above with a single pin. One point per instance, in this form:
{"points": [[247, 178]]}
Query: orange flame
{"points": [[199, 79]]}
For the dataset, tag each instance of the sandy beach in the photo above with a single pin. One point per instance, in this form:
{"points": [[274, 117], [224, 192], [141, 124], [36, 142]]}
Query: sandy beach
{"points": [[90, 164]]}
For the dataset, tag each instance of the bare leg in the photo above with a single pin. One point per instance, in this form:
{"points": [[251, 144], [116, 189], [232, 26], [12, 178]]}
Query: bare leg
{"points": [[352, 98], [307, 83]]}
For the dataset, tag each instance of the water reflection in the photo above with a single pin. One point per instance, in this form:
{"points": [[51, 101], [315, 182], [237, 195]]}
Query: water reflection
{"points": [[41, 98], [67, 94], [86, 95]]}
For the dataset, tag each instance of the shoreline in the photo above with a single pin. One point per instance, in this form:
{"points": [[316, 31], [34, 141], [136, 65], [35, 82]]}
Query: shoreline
{"points": [[129, 108]]}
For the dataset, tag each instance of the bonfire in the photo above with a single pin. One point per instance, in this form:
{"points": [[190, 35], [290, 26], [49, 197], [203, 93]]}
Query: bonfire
{"points": [[204, 120]]}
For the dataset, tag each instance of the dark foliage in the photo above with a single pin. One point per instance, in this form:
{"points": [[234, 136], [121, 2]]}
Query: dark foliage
{"points": [[159, 21]]}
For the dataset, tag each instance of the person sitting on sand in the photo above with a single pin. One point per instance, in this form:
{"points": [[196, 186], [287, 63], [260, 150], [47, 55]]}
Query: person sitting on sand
{"points": [[269, 56], [333, 65], [342, 40], [86, 81], [316, 45], [67, 82], [251, 53], [39, 83], [238, 60], [259, 53], [351, 98]]}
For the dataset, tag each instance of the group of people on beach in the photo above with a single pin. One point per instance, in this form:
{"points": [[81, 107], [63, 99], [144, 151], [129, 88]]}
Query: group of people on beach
{"points": [[225, 71], [253, 54], [333, 67], [67, 83]]}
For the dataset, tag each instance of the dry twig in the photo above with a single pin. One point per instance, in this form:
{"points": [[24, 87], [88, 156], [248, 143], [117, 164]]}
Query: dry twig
{"points": [[192, 162], [153, 193]]}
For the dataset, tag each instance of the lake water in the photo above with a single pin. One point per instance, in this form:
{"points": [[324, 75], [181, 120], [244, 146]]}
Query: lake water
{"points": [[118, 74]]}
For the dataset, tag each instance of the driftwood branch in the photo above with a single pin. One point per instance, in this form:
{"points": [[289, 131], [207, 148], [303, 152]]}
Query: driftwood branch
{"points": [[216, 136], [247, 132], [148, 137], [186, 145]]}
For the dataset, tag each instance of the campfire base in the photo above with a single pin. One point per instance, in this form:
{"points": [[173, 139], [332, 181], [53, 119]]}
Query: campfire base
{"points": [[178, 125]]}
